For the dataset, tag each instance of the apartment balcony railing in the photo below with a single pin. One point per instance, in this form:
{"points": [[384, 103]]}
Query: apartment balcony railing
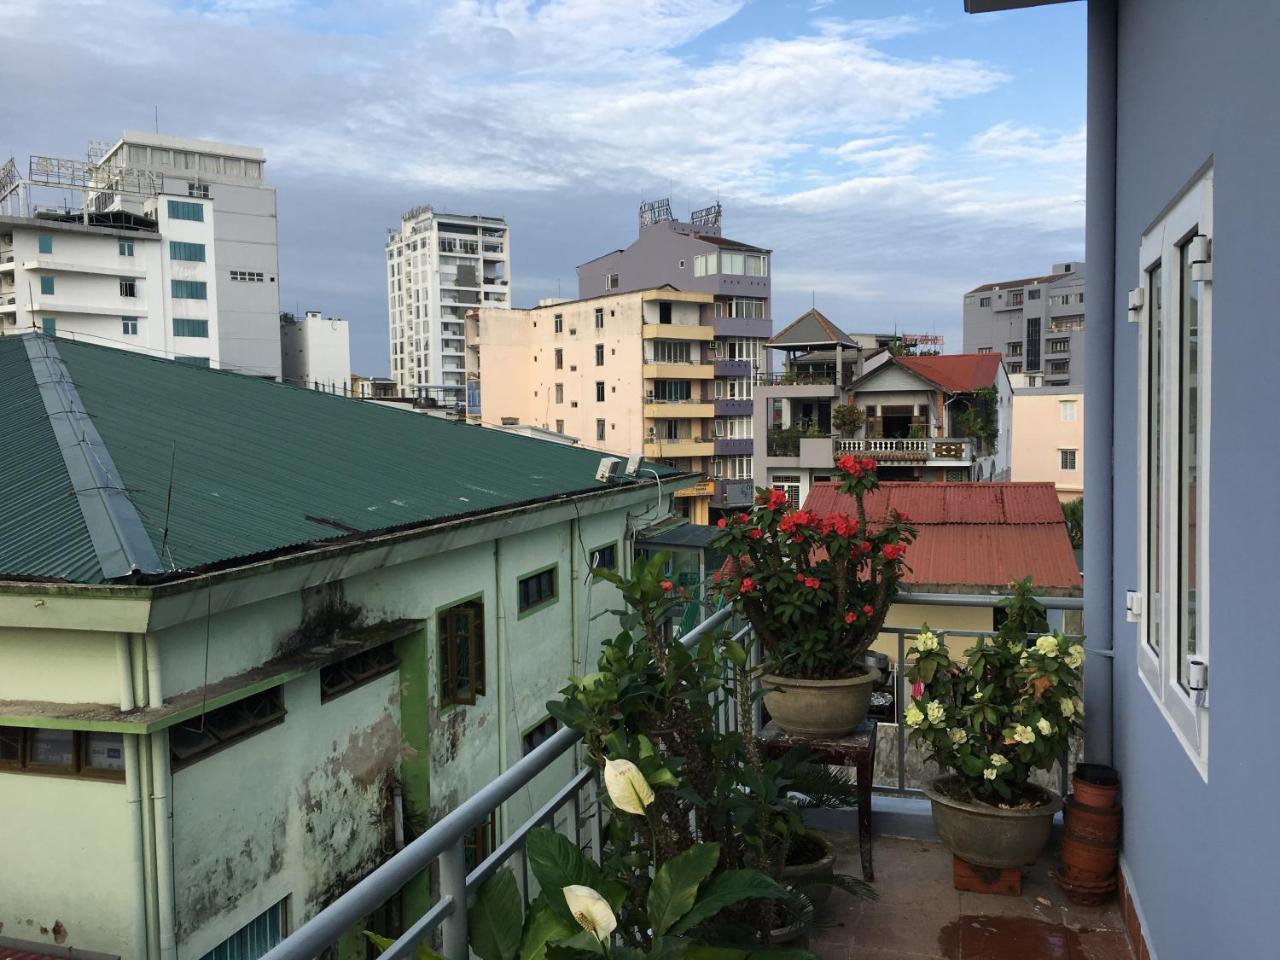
{"points": [[795, 379], [913, 449], [442, 845]]}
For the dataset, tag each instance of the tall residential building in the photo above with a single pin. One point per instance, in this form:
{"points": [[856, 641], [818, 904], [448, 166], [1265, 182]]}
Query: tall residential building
{"points": [[439, 266], [315, 352], [235, 199], [1036, 324], [1048, 443], [627, 373], [695, 256]]}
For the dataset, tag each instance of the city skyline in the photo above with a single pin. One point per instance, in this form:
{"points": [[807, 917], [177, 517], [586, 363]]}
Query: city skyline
{"points": [[882, 207]]}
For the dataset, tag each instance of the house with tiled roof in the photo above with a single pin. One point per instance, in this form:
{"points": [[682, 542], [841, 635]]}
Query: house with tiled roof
{"points": [[247, 628]]}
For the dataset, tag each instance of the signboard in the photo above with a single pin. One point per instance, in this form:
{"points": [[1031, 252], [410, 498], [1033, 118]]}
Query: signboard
{"points": [[703, 489]]}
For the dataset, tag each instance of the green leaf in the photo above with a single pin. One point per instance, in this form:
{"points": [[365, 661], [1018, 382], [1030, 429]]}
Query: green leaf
{"points": [[730, 887], [494, 920], [383, 943], [543, 926], [675, 887], [557, 863]]}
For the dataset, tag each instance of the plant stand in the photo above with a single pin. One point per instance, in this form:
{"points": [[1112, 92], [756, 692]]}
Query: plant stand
{"points": [[971, 878], [857, 750]]}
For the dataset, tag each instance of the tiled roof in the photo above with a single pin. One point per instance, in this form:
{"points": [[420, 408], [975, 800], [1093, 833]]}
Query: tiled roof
{"points": [[955, 372], [1025, 282], [259, 468], [973, 535], [810, 329], [726, 242]]}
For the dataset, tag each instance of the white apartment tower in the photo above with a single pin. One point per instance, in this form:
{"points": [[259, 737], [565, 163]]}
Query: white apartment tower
{"points": [[439, 266]]}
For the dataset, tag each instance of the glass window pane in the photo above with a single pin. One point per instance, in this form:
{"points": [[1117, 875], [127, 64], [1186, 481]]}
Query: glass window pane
{"points": [[104, 751], [1155, 457], [10, 744], [1188, 463], [53, 747]]}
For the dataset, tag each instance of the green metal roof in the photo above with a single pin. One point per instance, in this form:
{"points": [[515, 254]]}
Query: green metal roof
{"points": [[258, 467]]}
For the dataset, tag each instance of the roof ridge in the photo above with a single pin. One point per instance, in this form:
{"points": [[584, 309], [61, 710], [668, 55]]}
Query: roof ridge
{"points": [[120, 540]]}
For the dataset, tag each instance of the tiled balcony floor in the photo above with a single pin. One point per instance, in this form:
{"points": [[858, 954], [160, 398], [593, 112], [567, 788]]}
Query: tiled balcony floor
{"points": [[921, 916]]}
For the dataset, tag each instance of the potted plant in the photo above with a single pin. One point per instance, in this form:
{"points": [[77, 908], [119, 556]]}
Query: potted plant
{"points": [[847, 418], [988, 720], [816, 590]]}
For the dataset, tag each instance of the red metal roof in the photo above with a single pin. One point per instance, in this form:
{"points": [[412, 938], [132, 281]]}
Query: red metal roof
{"points": [[955, 372], [977, 535]]}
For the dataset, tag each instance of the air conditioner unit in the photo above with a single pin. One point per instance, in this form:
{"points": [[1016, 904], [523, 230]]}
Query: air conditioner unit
{"points": [[648, 394], [633, 464], [608, 469]]}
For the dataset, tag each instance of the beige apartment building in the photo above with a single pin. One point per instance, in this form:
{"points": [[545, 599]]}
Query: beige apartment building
{"points": [[627, 373], [1048, 438]]}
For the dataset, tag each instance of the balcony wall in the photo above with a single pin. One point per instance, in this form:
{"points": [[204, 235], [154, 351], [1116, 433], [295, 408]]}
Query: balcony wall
{"points": [[732, 408], [677, 331], [678, 371], [665, 449], [692, 409], [733, 447]]}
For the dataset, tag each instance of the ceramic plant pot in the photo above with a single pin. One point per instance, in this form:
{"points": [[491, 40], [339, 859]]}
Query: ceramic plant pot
{"points": [[1088, 860], [990, 836], [813, 879], [1095, 785], [1096, 824], [818, 708]]}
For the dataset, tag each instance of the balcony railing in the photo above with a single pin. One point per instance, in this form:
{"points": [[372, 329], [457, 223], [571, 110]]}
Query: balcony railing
{"points": [[442, 845], [917, 448], [795, 379]]}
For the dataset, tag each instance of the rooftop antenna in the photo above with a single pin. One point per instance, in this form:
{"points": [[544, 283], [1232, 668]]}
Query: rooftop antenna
{"points": [[157, 118]]}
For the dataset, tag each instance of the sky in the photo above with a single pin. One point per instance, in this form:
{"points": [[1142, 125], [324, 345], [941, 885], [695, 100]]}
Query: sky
{"points": [[891, 153]]}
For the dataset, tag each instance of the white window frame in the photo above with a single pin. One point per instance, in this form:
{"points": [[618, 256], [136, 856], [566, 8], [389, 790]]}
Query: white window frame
{"points": [[1190, 215], [1067, 411]]}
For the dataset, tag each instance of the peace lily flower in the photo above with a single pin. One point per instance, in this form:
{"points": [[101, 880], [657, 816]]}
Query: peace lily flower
{"points": [[591, 910], [1075, 657], [1048, 645], [1024, 734], [1043, 726], [914, 716], [958, 736], [989, 773], [936, 712], [1066, 706], [627, 787], [926, 641]]}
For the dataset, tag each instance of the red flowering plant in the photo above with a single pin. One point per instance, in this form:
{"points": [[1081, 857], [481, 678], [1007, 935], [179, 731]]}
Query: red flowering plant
{"points": [[815, 588]]}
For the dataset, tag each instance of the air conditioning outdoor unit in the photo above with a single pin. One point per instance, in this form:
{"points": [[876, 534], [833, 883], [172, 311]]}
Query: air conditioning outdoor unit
{"points": [[608, 469]]}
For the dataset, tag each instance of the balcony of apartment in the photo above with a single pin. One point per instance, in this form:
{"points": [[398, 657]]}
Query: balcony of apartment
{"points": [[49, 265], [659, 449], [678, 409], [796, 385], [929, 451], [734, 446], [7, 265], [690, 370], [678, 331], [733, 491], [889, 841]]}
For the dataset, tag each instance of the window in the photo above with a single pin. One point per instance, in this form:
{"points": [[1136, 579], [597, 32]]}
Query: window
{"points": [[537, 590], [611, 281], [678, 391], [44, 243], [479, 842], [65, 752], [357, 670], [1033, 294], [1067, 411], [187, 251], [984, 349], [738, 468], [200, 190], [790, 485], [559, 426], [605, 557], [984, 301], [129, 326], [189, 289], [559, 393], [49, 326], [559, 323], [599, 318], [540, 734], [186, 210], [246, 276], [672, 351], [1059, 366], [461, 652], [599, 429], [732, 263], [740, 348], [734, 388], [733, 428], [1015, 298], [1015, 368], [599, 354], [757, 265], [46, 286], [1060, 345], [190, 327], [254, 939], [1066, 324], [1033, 343], [126, 248], [599, 391], [128, 287], [559, 358], [210, 732], [1014, 349], [1174, 434], [1067, 459]]}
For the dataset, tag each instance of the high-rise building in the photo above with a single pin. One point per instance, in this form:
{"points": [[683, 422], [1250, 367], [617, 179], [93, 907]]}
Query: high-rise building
{"points": [[439, 266], [694, 256], [315, 352], [1036, 324], [229, 184]]}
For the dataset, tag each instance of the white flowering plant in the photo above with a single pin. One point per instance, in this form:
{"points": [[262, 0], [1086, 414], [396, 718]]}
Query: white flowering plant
{"points": [[1008, 707]]}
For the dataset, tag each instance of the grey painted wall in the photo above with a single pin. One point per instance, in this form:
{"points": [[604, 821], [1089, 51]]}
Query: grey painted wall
{"points": [[1197, 80]]}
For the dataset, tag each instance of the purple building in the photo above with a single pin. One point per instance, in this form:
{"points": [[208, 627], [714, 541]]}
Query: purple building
{"points": [[696, 256]]}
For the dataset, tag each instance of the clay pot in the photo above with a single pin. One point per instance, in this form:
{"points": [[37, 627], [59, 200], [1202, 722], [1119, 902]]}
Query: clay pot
{"points": [[818, 708], [1096, 785], [991, 836], [813, 879], [1087, 893], [1088, 861], [1096, 824]]}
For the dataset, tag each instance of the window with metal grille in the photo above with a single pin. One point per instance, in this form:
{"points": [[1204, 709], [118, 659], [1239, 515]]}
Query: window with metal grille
{"points": [[540, 734], [255, 938], [1067, 459], [461, 652], [599, 354], [1033, 343], [357, 670], [479, 842], [88, 754], [537, 590], [217, 729], [605, 557]]}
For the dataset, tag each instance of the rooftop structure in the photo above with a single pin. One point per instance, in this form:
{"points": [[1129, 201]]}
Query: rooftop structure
{"points": [[316, 352]]}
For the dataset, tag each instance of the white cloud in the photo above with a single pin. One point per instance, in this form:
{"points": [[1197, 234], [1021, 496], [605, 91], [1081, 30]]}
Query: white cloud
{"points": [[1008, 143]]}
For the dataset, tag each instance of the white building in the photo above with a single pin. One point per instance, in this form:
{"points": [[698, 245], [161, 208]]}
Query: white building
{"points": [[315, 352], [138, 282], [439, 266], [241, 211]]}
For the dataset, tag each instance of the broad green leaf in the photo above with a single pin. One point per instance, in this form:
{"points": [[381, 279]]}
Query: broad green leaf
{"points": [[675, 887], [423, 952], [494, 920], [543, 926], [557, 863], [729, 888]]}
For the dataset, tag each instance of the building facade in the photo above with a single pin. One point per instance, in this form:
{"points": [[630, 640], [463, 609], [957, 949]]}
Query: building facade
{"points": [[632, 374], [694, 256], [440, 266], [315, 352], [229, 183], [1048, 438], [1036, 324]]}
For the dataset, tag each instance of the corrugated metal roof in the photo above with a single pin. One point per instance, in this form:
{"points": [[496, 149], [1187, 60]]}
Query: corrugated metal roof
{"points": [[978, 535], [955, 372], [42, 531], [1025, 282], [259, 467]]}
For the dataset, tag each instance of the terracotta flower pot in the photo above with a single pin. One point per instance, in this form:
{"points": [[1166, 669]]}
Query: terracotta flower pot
{"points": [[818, 708], [1088, 861], [1096, 824], [1095, 784], [991, 836]]}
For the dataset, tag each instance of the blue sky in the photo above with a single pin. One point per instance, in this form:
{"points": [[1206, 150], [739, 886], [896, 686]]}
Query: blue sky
{"points": [[892, 154]]}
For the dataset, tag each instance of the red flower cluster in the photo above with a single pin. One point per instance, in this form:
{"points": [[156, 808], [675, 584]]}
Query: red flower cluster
{"points": [[773, 500], [795, 521], [747, 585], [893, 551], [856, 466], [665, 585], [840, 524]]}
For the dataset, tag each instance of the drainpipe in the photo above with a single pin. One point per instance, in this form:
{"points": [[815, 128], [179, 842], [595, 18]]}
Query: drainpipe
{"points": [[499, 667], [139, 645], [575, 536], [161, 813], [137, 879], [1099, 345]]}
